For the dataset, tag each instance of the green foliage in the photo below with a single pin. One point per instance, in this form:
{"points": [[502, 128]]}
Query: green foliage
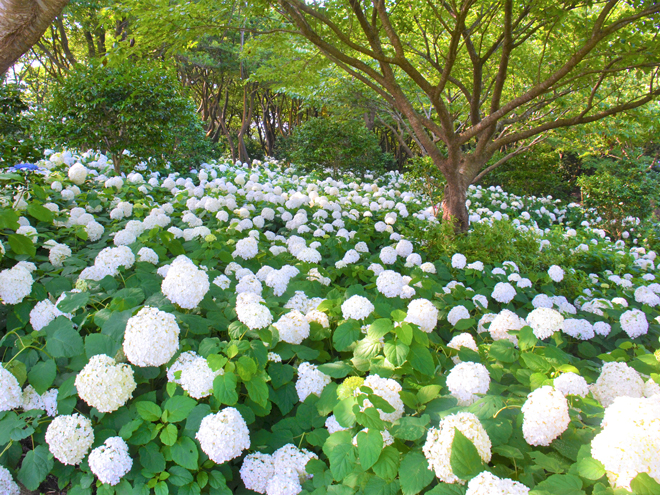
{"points": [[619, 189], [338, 145], [425, 179], [16, 142], [130, 106]]}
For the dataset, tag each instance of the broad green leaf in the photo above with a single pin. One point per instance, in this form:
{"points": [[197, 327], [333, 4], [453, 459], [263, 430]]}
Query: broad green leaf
{"points": [[151, 458], [258, 390], [387, 465], [341, 453], [414, 473], [345, 334], [370, 445], [526, 338], [503, 350], [590, 468], [378, 486], [421, 360], [280, 374], [224, 388], [168, 435], [179, 476], [184, 453], [380, 328], [21, 244], [73, 301], [396, 352], [42, 375], [148, 411], [643, 484], [97, 343], [178, 408], [410, 428], [62, 340], [405, 333], [465, 460], [39, 212], [428, 393], [328, 399], [35, 467], [343, 412], [8, 219], [337, 369], [564, 484]]}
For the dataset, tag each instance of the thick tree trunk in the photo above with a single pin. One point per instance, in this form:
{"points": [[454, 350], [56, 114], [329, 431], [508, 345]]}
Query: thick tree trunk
{"points": [[22, 23], [459, 170]]}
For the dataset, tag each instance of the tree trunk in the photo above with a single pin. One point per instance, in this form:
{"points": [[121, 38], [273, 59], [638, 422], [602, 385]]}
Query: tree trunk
{"points": [[116, 162], [453, 204], [22, 23]]}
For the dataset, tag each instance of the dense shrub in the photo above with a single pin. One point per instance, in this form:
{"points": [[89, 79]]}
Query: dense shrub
{"points": [[16, 141], [134, 107]]}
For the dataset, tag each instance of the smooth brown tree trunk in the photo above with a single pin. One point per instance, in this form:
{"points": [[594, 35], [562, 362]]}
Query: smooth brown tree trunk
{"points": [[22, 23]]}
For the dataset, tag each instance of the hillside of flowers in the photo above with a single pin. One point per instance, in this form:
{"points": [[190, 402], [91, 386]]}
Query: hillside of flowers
{"points": [[242, 330]]}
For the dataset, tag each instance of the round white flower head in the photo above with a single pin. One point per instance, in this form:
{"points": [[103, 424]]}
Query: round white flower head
{"points": [[578, 328], [256, 470], [480, 300], [309, 255], [556, 273], [58, 254], [197, 378], [7, 484], [184, 359], [458, 261], [634, 323], [437, 448], [428, 267], [462, 340], [11, 396], [630, 440], [545, 416], [185, 284], [503, 292], [15, 284], [571, 384], [246, 248], [456, 314], [290, 461], [485, 320], [310, 381], [148, 255], [151, 337], [486, 483], [293, 327], [423, 313], [283, 485], [545, 321], [111, 461], [651, 388], [404, 248], [69, 438], [388, 255], [254, 315], [466, 380], [542, 301], [503, 322], [617, 380], [645, 295], [78, 173], [356, 308], [388, 389], [223, 436], [390, 283], [104, 384], [602, 328]]}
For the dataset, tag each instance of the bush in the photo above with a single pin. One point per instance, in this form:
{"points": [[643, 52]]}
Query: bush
{"points": [[340, 146], [426, 180], [132, 106], [621, 191], [16, 142]]}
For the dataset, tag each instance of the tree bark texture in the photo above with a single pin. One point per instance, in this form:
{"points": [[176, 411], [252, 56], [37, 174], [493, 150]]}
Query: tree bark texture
{"points": [[22, 23]]}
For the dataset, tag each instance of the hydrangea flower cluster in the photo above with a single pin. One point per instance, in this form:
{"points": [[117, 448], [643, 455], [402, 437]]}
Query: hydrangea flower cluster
{"points": [[69, 438], [104, 384], [223, 436], [151, 337], [111, 461], [185, 284], [545, 416]]}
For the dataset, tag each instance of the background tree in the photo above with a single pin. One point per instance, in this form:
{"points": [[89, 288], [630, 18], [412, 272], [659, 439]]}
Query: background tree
{"points": [[472, 77]]}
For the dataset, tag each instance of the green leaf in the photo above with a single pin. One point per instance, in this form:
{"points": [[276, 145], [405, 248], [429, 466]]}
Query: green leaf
{"points": [[341, 454], [410, 428], [168, 435], [62, 340], [337, 369], [328, 399], [396, 352], [21, 244], [564, 484], [258, 390], [414, 473], [369, 418], [380, 328], [97, 343], [9, 219], [148, 410], [73, 301], [224, 388], [40, 212], [42, 375], [387, 465], [35, 467], [428, 393], [421, 360], [184, 453], [343, 412], [465, 460], [526, 338], [370, 445], [446, 489], [280, 374], [178, 408], [405, 333], [345, 334], [378, 486], [643, 484], [151, 458], [503, 350], [179, 476], [590, 468]]}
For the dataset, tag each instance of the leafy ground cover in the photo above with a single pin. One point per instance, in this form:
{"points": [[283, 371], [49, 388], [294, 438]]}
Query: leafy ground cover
{"points": [[252, 329]]}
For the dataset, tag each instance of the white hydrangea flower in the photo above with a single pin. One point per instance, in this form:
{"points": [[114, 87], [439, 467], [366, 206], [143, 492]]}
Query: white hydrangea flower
{"points": [[437, 448], [223, 436], [556, 273], [15, 284], [651, 388], [617, 380], [257, 469], [390, 283], [254, 315], [147, 255], [196, 375], [578, 328], [104, 384], [290, 461], [69, 438], [486, 483], [629, 441], [456, 314], [404, 248], [570, 383], [7, 484], [480, 300], [423, 313], [388, 389], [388, 255], [357, 308], [466, 380], [12, 396], [545, 416], [310, 381], [545, 321], [293, 327], [283, 485], [503, 322], [246, 248], [503, 292], [458, 261], [151, 337], [634, 323], [185, 284], [43, 313], [111, 461]]}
